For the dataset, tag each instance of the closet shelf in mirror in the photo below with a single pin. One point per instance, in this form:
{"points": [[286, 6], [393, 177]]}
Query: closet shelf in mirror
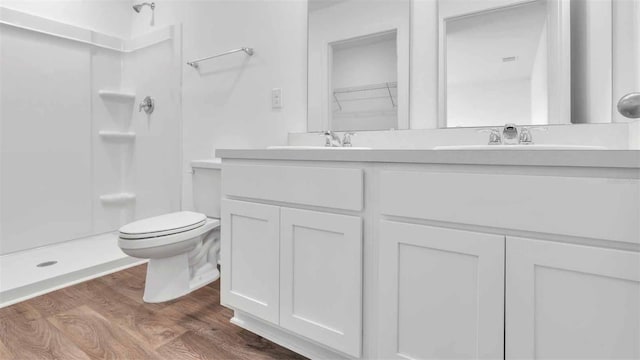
{"points": [[386, 90], [117, 95], [117, 136]]}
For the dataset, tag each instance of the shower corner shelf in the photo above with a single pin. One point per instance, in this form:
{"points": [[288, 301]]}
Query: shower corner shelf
{"points": [[117, 136], [118, 198], [117, 95]]}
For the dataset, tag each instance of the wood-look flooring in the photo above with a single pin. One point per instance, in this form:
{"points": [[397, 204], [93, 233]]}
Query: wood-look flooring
{"points": [[105, 318]]}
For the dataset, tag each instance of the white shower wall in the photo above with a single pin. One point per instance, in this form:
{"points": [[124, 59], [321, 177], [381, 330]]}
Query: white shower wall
{"points": [[46, 144], [53, 165], [153, 168]]}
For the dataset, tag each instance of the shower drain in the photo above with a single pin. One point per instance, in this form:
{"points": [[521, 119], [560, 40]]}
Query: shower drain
{"points": [[47, 263]]}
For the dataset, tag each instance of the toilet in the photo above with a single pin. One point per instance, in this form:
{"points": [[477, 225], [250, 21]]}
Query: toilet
{"points": [[182, 247]]}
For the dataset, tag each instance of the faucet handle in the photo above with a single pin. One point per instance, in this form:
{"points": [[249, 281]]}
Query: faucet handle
{"points": [[525, 137], [346, 139], [494, 135], [331, 139], [327, 137]]}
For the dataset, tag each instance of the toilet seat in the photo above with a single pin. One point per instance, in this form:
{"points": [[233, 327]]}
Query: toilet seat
{"points": [[163, 225], [166, 240]]}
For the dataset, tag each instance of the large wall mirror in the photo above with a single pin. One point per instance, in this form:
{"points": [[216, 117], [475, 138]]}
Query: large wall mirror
{"points": [[412, 64]]}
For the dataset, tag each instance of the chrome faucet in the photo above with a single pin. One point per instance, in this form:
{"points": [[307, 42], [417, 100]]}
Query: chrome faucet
{"points": [[525, 137], [494, 136], [346, 139], [331, 139], [510, 134]]}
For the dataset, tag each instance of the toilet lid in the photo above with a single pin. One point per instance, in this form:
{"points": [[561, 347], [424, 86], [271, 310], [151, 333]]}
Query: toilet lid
{"points": [[163, 225]]}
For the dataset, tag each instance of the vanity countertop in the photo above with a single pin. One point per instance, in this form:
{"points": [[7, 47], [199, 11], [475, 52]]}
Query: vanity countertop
{"points": [[629, 159]]}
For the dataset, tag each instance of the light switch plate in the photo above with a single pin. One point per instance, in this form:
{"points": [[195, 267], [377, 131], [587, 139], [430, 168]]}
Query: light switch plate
{"points": [[276, 98]]}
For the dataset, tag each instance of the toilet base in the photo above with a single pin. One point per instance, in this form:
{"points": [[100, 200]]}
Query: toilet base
{"points": [[167, 279], [204, 276]]}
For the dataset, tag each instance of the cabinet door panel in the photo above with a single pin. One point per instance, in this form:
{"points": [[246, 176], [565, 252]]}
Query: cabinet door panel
{"points": [[321, 278], [442, 293], [571, 301], [250, 258]]}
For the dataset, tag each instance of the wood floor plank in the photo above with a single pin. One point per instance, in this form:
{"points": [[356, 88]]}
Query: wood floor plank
{"points": [[130, 286], [140, 322], [106, 318], [54, 303], [139, 272], [36, 339], [24, 311], [202, 314], [191, 346], [4, 351], [98, 337]]}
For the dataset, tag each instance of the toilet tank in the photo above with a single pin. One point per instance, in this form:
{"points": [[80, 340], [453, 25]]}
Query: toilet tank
{"points": [[206, 181]]}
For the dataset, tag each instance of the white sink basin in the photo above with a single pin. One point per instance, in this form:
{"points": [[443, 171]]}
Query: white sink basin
{"points": [[287, 147], [520, 147]]}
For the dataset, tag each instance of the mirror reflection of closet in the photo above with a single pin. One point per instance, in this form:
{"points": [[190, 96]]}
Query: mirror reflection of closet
{"points": [[358, 65], [364, 83]]}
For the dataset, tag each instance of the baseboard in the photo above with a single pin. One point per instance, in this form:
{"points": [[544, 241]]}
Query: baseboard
{"points": [[283, 338]]}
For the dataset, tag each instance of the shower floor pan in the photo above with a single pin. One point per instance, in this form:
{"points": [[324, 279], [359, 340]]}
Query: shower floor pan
{"points": [[30, 273]]}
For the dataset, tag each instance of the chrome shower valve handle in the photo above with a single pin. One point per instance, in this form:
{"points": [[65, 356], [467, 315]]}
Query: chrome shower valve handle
{"points": [[148, 104]]}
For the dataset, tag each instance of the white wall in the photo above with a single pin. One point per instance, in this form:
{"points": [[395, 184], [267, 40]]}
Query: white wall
{"points": [[424, 65], [227, 103], [111, 17], [470, 104], [540, 83], [365, 62]]}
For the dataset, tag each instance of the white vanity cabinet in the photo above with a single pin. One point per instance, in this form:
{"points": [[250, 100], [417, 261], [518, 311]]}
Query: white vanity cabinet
{"points": [[296, 268], [486, 260], [250, 258], [441, 293], [443, 290], [571, 301], [321, 278]]}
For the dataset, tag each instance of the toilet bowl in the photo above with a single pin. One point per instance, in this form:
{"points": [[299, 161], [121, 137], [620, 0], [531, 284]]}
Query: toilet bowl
{"points": [[182, 247]]}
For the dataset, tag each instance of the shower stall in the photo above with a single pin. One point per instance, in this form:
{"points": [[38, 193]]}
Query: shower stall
{"points": [[78, 159]]}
